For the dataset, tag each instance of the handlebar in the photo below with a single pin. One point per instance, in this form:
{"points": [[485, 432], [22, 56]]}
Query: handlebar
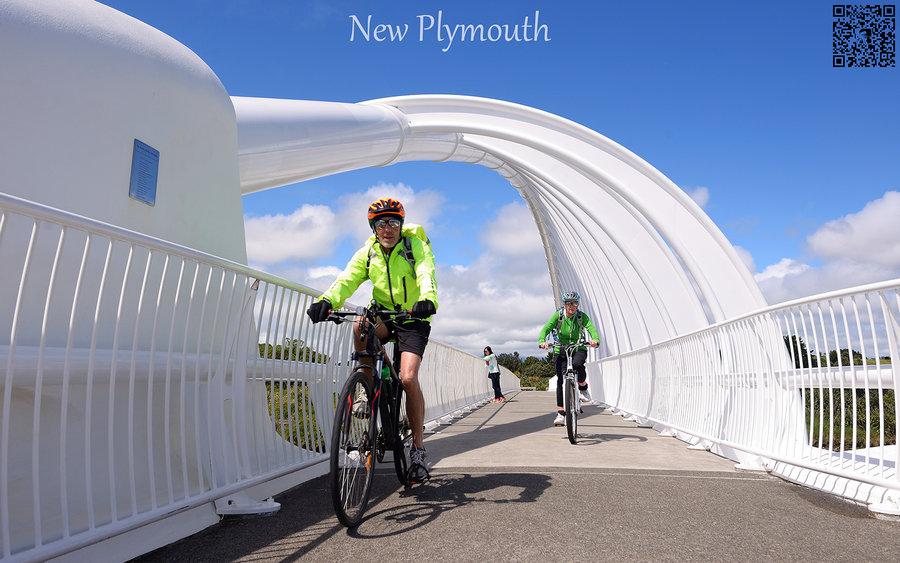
{"points": [[338, 317], [571, 345]]}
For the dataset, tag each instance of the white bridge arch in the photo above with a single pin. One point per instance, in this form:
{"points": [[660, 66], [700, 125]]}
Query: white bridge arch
{"points": [[649, 260]]}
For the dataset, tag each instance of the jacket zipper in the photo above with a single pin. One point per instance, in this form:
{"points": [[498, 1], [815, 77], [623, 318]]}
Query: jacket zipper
{"points": [[387, 264]]}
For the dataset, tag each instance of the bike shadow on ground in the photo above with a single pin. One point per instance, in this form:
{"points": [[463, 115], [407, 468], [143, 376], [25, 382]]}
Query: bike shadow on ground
{"points": [[589, 433], [420, 505], [589, 424], [591, 439]]}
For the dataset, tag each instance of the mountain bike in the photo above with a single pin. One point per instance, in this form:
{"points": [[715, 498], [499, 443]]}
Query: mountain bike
{"points": [[367, 419]]}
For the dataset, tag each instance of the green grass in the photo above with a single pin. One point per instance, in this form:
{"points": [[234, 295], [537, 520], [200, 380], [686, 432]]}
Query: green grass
{"points": [[825, 419], [294, 416], [290, 406]]}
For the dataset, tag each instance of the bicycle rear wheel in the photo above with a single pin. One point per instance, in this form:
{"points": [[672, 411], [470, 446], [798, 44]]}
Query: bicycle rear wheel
{"points": [[352, 451], [570, 400]]}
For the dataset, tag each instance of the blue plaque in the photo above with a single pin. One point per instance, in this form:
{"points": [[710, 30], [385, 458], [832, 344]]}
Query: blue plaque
{"points": [[144, 172]]}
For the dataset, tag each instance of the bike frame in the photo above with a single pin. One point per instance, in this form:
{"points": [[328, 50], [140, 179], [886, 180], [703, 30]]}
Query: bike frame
{"points": [[386, 403], [571, 398]]}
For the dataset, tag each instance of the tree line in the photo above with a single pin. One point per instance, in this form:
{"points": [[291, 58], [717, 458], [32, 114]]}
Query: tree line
{"points": [[531, 371], [805, 358]]}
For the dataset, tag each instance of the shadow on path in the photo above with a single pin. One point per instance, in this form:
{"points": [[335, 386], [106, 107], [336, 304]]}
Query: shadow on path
{"points": [[424, 504], [306, 520]]}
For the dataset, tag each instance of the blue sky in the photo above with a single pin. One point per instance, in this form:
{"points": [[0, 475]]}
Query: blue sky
{"points": [[797, 162]]}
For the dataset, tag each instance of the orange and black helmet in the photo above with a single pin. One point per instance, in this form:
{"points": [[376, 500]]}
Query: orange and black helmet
{"points": [[385, 206]]}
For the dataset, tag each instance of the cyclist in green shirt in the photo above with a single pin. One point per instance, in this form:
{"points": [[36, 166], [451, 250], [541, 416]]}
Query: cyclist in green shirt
{"points": [[567, 324], [401, 269]]}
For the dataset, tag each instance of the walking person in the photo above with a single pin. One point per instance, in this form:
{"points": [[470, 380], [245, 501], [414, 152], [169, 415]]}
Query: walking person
{"points": [[493, 369]]}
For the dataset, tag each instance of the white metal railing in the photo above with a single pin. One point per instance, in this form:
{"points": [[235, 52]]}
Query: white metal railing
{"points": [[142, 379], [804, 389]]}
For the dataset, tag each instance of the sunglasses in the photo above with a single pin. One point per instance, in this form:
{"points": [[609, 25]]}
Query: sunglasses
{"points": [[392, 223]]}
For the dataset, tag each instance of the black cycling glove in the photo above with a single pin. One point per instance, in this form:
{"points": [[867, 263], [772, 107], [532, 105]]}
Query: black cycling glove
{"points": [[423, 309], [319, 310]]}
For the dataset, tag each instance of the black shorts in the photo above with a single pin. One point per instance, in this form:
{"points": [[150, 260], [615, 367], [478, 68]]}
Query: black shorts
{"points": [[411, 336]]}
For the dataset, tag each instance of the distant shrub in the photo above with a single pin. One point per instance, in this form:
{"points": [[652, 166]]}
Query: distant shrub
{"points": [[539, 383]]}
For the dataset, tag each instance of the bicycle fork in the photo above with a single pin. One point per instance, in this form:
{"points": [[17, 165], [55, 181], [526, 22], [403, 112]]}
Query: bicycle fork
{"points": [[571, 382], [572, 379]]}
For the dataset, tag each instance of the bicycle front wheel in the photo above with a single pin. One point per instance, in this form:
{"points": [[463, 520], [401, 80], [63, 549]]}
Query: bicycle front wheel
{"points": [[402, 436], [570, 400], [353, 450]]}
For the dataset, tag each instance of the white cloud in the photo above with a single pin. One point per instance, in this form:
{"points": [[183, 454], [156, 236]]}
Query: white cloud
{"points": [[327, 272], [294, 272], [700, 195], [504, 297], [504, 317], [803, 280], [513, 233], [857, 249], [309, 232], [870, 236], [784, 268]]}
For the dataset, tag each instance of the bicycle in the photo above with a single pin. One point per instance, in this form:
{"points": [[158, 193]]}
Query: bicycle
{"points": [[571, 395], [357, 439]]}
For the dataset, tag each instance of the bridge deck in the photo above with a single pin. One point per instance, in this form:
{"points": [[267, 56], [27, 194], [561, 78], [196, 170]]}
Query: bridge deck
{"points": [[506, 485]]}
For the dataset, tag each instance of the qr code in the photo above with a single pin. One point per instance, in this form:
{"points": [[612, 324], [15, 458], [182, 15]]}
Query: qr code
{"points": [[864, 36]]}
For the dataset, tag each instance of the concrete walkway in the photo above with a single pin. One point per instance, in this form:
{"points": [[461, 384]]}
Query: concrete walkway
{"points": [[508, 486]]}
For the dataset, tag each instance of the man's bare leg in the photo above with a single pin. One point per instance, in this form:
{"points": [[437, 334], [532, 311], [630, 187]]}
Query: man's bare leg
{"points": [[415, 400]]}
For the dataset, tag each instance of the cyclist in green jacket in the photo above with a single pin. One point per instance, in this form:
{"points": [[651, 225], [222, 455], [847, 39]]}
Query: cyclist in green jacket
{"points": [[567, 324], [402, 272]]}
